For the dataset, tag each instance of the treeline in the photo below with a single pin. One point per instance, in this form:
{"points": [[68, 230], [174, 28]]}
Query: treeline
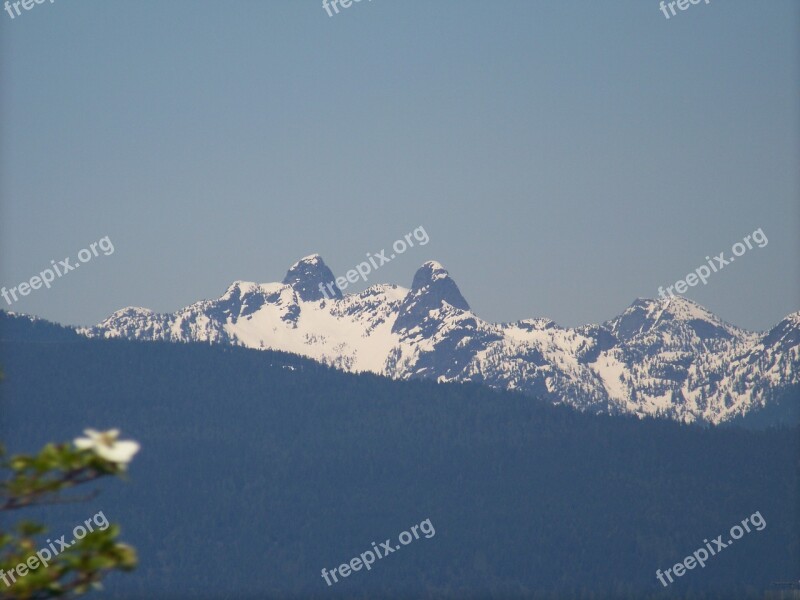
{"points": [[258, 469]]}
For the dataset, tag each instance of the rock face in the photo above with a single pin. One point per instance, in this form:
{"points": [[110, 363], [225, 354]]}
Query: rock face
{"points": [[432, 289], [309, 276], [673, 359]]}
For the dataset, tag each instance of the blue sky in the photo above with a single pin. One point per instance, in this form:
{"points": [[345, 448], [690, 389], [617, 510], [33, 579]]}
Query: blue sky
{"points": [[565, 157]]}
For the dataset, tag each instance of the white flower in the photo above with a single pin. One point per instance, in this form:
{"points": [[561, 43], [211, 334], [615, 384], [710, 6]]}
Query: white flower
{"points": [[107, 447]]}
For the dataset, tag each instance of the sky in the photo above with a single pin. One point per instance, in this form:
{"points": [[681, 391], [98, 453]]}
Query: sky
{"points": [[564, 157]]}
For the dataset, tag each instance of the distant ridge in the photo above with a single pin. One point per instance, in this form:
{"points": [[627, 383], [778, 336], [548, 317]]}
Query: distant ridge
{"points": [[673, 359]]}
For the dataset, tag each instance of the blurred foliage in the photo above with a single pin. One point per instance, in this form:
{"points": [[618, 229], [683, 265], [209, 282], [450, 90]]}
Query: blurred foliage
{"points": [[30, 568]]}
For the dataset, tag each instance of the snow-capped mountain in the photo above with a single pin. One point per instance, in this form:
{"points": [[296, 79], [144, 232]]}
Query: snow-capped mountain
{"points": [[673, 359]]}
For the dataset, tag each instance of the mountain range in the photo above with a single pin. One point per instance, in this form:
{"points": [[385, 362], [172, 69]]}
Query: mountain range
{"points": [[669, 358]]}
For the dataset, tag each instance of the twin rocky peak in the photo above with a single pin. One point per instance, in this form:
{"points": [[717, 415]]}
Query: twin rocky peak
{"points": [[431, 287]]}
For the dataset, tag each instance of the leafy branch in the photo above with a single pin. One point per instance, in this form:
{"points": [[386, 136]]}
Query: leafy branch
{"points": [[41, 479]]}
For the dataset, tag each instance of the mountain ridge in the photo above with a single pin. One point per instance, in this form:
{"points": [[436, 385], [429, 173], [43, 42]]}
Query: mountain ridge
{"points": [[670, 358]]}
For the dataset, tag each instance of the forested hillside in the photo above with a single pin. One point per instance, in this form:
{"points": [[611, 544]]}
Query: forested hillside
{"points": [[258, 469]]}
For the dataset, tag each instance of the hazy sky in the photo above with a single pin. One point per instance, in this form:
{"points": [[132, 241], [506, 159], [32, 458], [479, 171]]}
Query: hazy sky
{"points": [[564, 157]]}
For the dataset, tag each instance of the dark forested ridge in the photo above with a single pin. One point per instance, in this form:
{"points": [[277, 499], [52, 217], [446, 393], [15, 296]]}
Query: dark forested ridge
{"points": [[258, 469]]}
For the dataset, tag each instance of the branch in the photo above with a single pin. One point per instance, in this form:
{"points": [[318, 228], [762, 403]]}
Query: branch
{"points": [[71, 479]]}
